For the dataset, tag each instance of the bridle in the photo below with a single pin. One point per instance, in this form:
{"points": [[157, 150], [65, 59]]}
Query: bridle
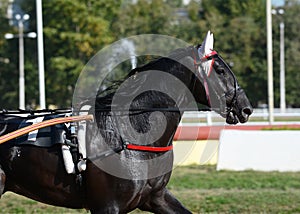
{"points": [[126, 145], [198, 63]]}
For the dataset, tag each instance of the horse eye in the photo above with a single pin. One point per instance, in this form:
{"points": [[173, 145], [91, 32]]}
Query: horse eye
{"points": [[219, 68]]}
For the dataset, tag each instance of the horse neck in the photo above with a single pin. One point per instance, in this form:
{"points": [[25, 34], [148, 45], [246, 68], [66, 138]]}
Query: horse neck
{"points": [[158, 122], [187, 71]]}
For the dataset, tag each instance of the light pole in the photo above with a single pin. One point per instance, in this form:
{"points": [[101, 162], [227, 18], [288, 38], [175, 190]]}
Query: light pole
{"points": [[280, 12], [39, 17], [21, 19], [270, 61]]}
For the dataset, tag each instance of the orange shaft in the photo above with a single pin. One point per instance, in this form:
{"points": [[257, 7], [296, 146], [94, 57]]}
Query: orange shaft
{"points": [[43, 124]]}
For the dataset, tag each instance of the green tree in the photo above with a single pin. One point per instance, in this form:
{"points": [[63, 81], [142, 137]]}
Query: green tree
{"points": [[239, 29], [9, 72], [292, 51], [143, 17], [74, 31]]}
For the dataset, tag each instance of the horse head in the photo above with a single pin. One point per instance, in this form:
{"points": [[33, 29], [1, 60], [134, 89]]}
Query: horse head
{"points": [[223, 93]]}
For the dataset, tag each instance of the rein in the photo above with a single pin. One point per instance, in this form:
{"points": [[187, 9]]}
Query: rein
{"points": [[235, 90]]}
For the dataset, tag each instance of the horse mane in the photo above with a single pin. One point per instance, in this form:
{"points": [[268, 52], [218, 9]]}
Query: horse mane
{"points": [[165, 63]]}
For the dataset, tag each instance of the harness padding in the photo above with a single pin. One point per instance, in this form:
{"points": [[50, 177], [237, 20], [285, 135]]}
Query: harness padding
{"points": [[82, 131], [68, 161], [81, 134]]}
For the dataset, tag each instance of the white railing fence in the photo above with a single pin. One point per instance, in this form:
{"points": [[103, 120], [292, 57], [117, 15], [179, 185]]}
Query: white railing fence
{"points": [[260, 115]]}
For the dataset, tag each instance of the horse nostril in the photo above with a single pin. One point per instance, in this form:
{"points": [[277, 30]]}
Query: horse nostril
{"points": [[247, 111]]}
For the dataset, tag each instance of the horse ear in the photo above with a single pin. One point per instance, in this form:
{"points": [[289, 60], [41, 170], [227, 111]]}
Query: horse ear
{"points": [[207, 45]]}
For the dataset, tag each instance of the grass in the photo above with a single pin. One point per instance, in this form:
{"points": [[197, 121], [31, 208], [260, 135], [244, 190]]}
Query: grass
{"points": [[202, 189], [205, 190], [16, 204]]}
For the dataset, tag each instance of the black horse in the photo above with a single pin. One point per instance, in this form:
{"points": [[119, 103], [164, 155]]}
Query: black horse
{"points": [[129, 156]]}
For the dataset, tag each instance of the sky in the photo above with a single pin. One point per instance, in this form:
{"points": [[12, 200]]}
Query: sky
{"points": [[277, 2]]}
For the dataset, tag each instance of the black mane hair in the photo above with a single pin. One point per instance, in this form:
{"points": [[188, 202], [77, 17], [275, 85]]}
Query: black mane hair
{"points": [[169, 64]]}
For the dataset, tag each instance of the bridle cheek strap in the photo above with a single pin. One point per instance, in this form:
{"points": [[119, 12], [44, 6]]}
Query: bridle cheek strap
{"points": [[208, 57], [198, 67], [205, 84]]}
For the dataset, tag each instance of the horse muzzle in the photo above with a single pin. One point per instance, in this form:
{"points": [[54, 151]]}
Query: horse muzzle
{"points": [[241, 110]]}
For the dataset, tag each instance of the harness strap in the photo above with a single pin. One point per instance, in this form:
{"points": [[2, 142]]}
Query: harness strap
{"points": [[148, 148], [130, 147]]}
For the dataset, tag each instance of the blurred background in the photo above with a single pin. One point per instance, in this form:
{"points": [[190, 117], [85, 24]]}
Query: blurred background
{"points": [[74, 30]]}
